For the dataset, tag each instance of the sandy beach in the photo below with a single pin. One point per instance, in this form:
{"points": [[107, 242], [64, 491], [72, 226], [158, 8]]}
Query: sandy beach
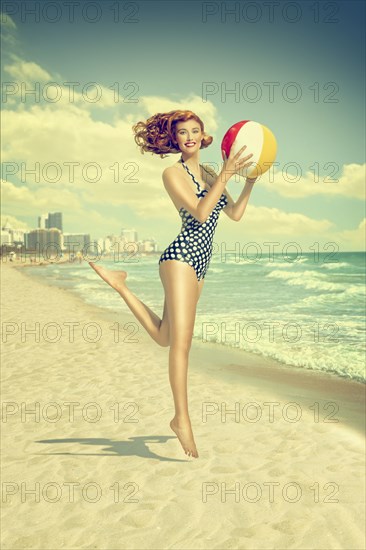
{"points": [[89, 460]]}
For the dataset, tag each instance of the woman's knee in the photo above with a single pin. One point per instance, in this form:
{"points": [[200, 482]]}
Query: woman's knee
{"points": [[181, 338], [180, 348]]}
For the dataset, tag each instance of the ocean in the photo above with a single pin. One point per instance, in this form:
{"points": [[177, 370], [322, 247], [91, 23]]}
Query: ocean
{"points": [[307, 312]]}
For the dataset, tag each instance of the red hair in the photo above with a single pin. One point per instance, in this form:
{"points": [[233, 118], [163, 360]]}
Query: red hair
{"points": [[157, 135]]}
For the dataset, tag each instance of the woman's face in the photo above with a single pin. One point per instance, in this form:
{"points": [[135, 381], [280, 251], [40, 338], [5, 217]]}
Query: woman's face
{"points": [[188, 135]]}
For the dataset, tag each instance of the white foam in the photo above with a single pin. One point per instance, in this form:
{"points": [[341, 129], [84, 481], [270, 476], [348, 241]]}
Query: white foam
{"points": [[276, 264], [307, 279], [334, 265]]}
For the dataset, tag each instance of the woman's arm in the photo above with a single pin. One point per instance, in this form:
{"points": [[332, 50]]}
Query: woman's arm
{"points": [[183, 196], [240, 205], [234, 210]]}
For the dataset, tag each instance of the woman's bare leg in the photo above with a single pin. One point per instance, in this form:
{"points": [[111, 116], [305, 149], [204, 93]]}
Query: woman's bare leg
{"points": [[157, 328], [181, 293], [179, 283]]}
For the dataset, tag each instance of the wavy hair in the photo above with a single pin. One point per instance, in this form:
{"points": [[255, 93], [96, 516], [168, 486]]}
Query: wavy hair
{"points": [[158, 136]]}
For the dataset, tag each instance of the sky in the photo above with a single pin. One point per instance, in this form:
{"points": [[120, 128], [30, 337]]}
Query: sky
{"points": [[296, 67]]}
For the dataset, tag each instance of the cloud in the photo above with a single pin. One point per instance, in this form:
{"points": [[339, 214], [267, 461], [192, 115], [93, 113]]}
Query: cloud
{"points": [[272, 221], [47, 136], [261, 224], [353, 239], [13, 222], [9, 40], [21, 200], [27, 71], [49, 89], [6, 21], [350, 184], [24, 202], [42, 134]]}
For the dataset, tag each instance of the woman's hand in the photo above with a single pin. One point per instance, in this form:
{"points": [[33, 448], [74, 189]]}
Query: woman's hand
{"points": [[233, 163]]}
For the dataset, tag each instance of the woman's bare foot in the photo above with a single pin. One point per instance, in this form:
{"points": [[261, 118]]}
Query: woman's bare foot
{"points": [[116, 279], [184, 433]]}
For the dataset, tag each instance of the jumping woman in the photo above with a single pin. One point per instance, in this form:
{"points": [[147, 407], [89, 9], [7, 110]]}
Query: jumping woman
{"points": [[199, 195]]}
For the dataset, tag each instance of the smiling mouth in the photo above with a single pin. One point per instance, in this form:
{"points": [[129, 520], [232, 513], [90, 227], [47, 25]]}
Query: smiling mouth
{"points": [[190, 143]]}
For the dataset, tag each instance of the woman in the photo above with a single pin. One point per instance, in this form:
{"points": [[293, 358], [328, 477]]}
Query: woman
{"points": [[198, 195]]}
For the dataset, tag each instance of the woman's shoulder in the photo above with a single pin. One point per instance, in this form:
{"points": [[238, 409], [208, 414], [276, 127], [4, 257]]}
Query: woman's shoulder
{"points": [[172, 167]]}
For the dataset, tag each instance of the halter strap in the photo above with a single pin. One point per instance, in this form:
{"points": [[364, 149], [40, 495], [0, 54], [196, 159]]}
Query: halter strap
{"points": [[190, 173]]}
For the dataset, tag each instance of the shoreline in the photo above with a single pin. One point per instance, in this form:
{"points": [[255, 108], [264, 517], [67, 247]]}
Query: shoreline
{"points": [[266, 359]]}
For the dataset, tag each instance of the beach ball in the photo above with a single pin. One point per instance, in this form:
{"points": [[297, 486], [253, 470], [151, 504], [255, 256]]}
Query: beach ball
{"points": [[259, 140]]}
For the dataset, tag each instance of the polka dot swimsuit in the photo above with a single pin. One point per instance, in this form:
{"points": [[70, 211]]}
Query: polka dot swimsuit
{"points": [[193, 245]]}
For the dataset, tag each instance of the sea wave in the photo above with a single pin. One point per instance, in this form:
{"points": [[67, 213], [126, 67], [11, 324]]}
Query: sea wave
{"points": [[345, 361], [216, 270], [334, 265], [311, 280]]}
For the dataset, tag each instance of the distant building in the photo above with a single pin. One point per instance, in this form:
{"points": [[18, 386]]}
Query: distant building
{"points": [[54, 220], [104, 245], [50, 220], [42, 221], [148, 245], [100, 243], [77, 242], [95, 247], [128, 235], [19, 236], [46, 242], [114, 244], [6, 237], [107, 244], [10, 236]]}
